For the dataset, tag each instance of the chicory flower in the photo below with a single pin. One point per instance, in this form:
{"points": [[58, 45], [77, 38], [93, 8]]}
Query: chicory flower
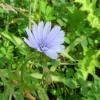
{"points": [[46, 39]]}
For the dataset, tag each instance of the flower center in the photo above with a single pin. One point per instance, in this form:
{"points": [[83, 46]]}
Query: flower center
{"points": [[43, 47]]}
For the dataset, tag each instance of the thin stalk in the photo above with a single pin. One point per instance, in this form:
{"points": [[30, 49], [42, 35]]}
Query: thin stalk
{"points": [[30, 11], [22, 80], [7, 24]]}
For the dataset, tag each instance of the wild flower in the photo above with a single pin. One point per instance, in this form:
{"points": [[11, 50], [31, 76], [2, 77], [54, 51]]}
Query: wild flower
{"points": [[46, 39]]}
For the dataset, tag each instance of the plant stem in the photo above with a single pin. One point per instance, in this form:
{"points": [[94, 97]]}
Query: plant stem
{"points": [[7, 24], [30, 10]]}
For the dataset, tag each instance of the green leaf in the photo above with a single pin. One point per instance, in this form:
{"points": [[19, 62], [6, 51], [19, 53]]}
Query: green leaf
{"points": [[18, 42]]}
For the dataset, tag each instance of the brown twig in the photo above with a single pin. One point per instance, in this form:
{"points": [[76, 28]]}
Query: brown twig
{"points": [[30, 96]]}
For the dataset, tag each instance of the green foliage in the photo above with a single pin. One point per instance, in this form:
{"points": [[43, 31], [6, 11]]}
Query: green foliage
{"points": [[26, 74], [92, 10]]}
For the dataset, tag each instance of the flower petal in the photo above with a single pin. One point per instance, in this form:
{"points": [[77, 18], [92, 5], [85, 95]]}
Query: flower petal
{"points": [[40, 30], [47, 29], [35, 30], [52, 54], [29, 43], [58, 48], [29, 33], [54, 32], [31, 39], [59, 39]]}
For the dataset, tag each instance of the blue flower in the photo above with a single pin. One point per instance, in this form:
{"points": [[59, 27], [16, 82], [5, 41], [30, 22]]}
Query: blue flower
{"points": [[46, 39]]}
